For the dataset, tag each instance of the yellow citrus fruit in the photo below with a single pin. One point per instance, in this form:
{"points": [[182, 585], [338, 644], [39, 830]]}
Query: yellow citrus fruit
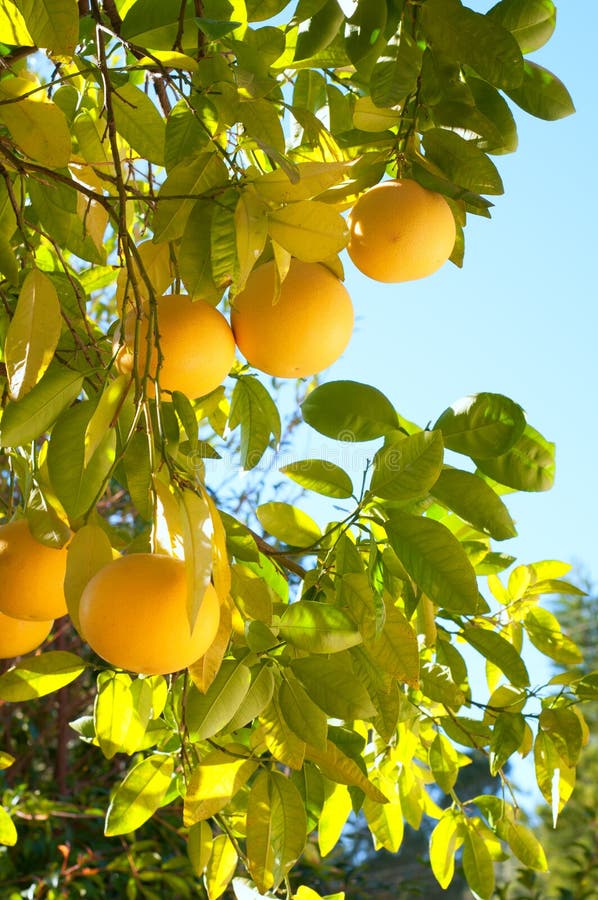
{"points": [[133, 613], [197, 345], [301, 333], [400, 231], [31, 575], [18, 636]]}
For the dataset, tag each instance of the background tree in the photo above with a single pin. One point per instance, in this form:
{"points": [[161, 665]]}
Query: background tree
{"points": [[159, 160]]}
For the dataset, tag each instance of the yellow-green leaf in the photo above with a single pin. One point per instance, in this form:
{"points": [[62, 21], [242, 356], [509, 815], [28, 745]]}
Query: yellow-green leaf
{"points": [[32, 334], [339, 767], [215, 782], [309, 230], [288, 523], [8, 832], [335, 812], [139, 122], [477, 864], [445, 840], [88, 551], [251, 227], [13, 28], [197, 541], [40, 128], [207, 714], [104, 415], [276, 828], [139, 795], [318, 627], [54, 24], [314, 178], [221, 867], [199, 847], [37, 676]]}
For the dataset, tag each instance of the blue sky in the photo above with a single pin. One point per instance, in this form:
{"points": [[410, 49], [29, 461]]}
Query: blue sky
{"points": [[520, 317]]}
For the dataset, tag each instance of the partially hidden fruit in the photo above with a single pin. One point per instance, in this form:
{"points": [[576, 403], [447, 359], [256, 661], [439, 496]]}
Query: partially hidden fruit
{"points": [[196, 341], [302, 332], [399, 231], [133, 613], [18, 636], [31, 575]]}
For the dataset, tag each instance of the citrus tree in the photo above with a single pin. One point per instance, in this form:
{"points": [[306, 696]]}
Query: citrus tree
{"points": [[265, 675]]}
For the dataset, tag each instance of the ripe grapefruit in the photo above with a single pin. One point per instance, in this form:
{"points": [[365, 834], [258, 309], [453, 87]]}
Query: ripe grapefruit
{"points": [[18, 636], [197, 345], [133, 614], [305, 331], [399, 231], [31, 575]]}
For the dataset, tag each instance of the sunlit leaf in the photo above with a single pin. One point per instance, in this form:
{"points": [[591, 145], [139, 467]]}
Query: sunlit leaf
{"points": [[139, 795]]}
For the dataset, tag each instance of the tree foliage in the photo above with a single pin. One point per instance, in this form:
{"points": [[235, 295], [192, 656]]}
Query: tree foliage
{"points": [[149, 146]]}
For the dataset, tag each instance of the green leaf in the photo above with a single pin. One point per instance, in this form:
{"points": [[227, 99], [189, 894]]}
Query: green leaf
{"points": [[477, 864], [563, 726], [151, 23], [302, 715], [492, 105], [474, 500], [528, 466], [462, 162], [207, 714], [254, 410], [58, 208], [323, 27], [320, 476], [542, 94], [53, 24], [349, 411], [199, 847], [262, 124], [445, 840], [555, 778], [456, 32], [288, 524], [276, 828], [258, 10], [309, 230], [104, 414], [332, 683], [544, 631], [215, 782], [499, 651], [39, 128], [185, 185], [78, 486], [318, 627], [524, 844], [33, 334], [444, 763], [251, 229], [89, 550], [407, 467], [507, 736], [396, 72], [364, 31], [256, 699], [139, 122], [8, 832], [434, 558], [195, 254], [482, 425], [139, 795], [531, 22], [27, 419], [40, 675]]}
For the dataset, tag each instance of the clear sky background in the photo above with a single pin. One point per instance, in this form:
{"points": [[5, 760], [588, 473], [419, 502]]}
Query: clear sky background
{"points": [[521, 317]]}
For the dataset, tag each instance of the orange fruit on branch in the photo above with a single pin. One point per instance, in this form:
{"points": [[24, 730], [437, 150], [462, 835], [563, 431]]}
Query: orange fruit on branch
{"points": [[196, 342], [400, 231], [31, 575], [302, 332], [133, 613], [18, 636]]}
